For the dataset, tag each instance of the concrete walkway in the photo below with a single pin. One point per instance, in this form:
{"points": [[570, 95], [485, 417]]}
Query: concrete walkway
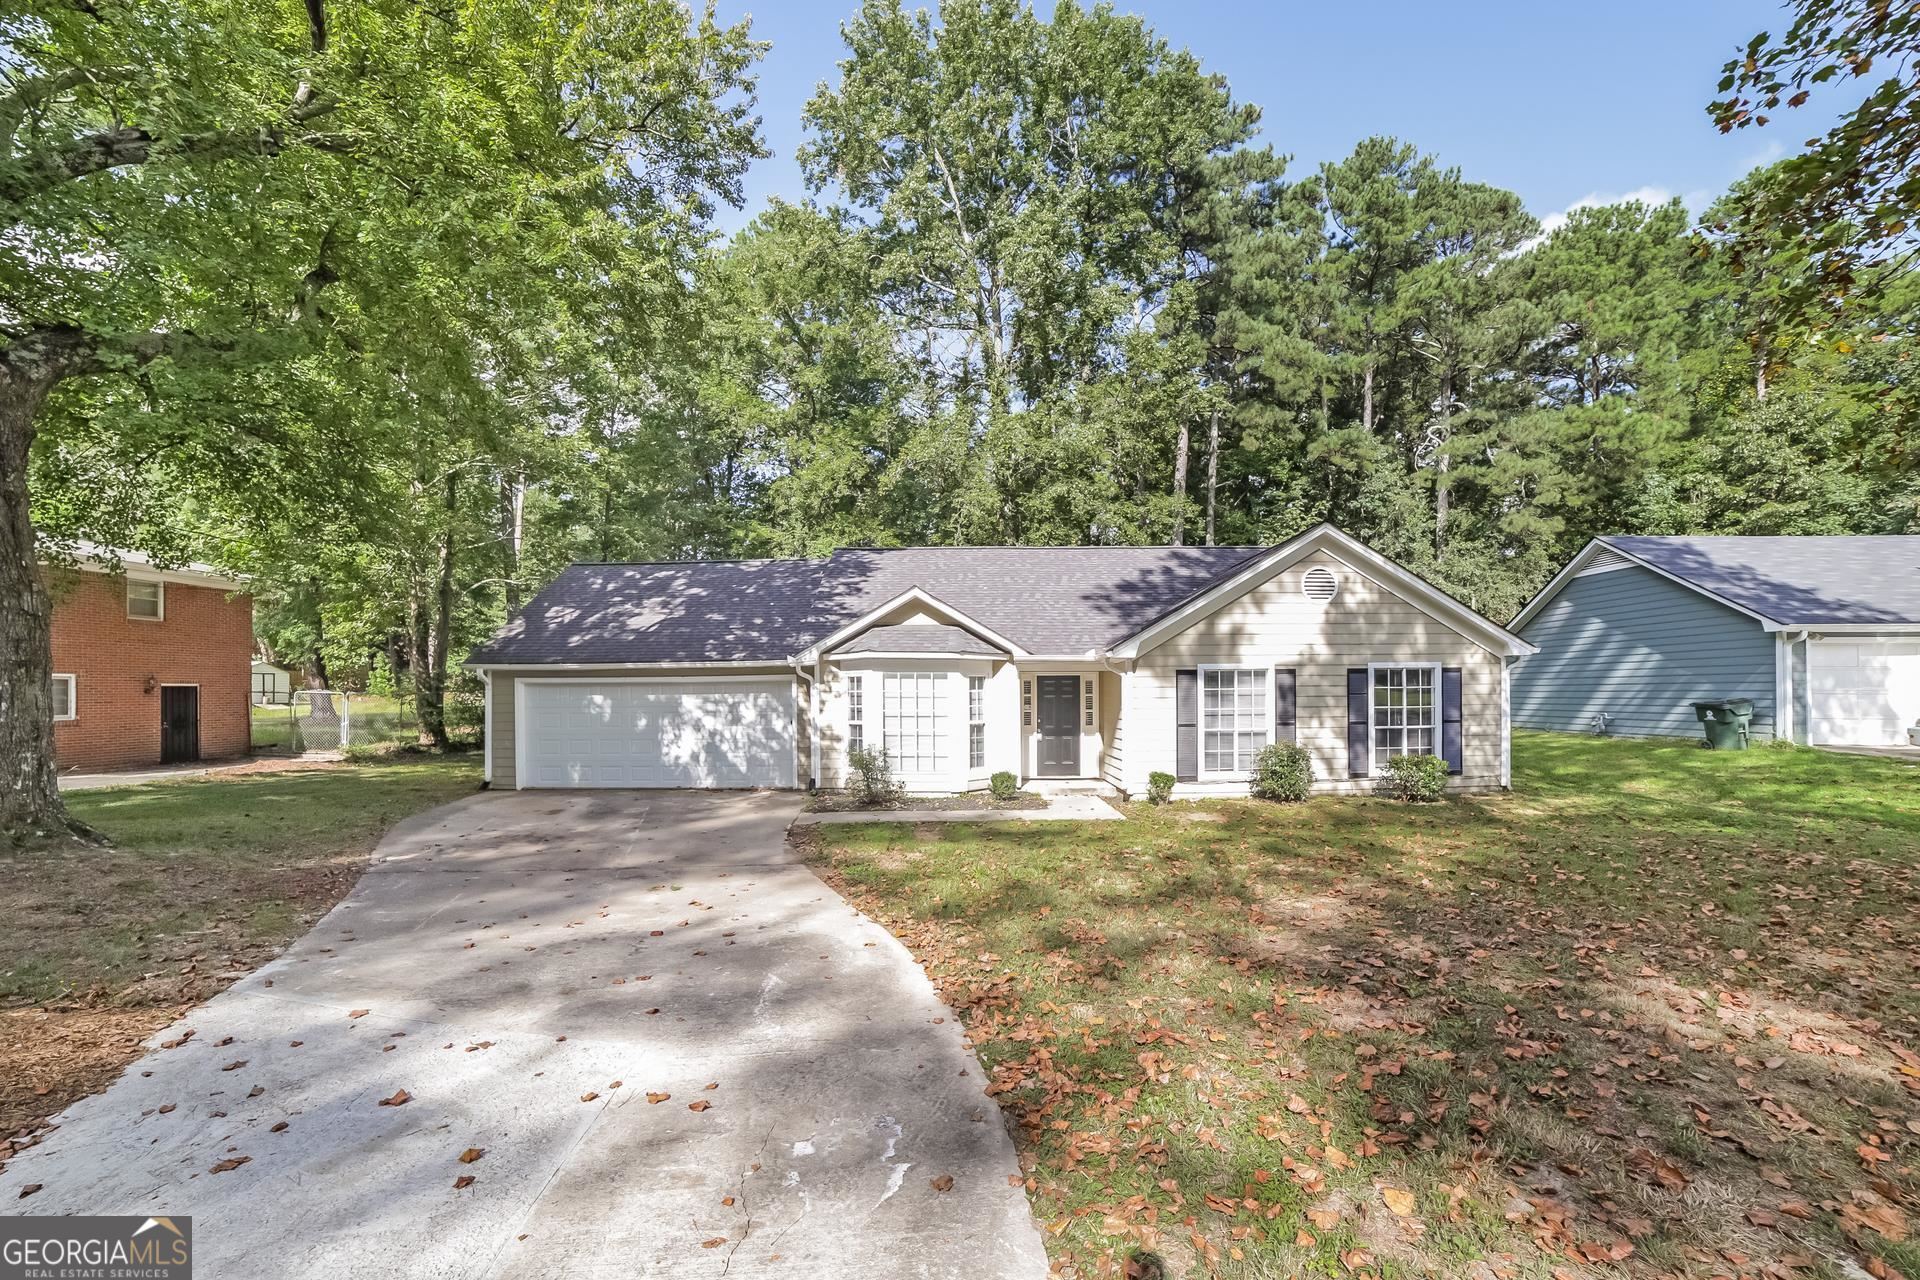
{"points": [[1063, 808], [134, 777], [523, 973]]}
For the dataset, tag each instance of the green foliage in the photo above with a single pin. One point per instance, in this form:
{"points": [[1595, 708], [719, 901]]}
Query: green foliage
{"points": [[871, 780], [1282, 771], [1849, 203], [380, 681], [403, 320], [1160, 787], [1003, 785], [1417, 779]]}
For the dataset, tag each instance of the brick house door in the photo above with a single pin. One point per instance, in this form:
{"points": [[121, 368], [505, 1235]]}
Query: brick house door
{"points": [[179, 723]]}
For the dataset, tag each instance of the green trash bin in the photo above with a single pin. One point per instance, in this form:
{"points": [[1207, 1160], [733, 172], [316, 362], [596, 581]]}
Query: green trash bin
{"points": [[1726, 721]]}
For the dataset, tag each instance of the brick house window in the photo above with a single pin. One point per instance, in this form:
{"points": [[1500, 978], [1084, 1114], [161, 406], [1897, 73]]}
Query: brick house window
{"points": [[63, 701], [147, 600]]}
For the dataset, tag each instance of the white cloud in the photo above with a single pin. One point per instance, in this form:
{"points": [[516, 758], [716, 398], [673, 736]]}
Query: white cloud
{"points": [[1651, 196]]}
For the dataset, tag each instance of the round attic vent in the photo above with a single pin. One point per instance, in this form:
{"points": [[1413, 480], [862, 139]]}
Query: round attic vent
{"points": [[1319, 584]]}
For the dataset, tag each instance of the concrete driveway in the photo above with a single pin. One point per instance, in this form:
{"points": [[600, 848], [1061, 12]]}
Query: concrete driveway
{"points": [[532, 969]]}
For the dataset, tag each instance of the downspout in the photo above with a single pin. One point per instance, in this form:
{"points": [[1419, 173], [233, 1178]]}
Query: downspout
{"points": [[486, 729], [1795, 729], [813, 717]]}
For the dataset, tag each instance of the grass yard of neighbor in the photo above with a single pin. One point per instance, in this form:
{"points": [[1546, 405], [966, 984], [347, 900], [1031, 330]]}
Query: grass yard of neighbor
{"points": [[205, 879], [1653, 1013]]}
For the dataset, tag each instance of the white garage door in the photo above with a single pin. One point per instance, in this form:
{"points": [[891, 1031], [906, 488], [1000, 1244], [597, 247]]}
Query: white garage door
{"points": [[656, 733], [1863, 692]]}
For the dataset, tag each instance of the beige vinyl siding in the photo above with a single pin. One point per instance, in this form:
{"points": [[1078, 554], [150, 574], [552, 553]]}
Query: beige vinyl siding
{"points": [[1273, 625], [1110, 720], [502, 746]]}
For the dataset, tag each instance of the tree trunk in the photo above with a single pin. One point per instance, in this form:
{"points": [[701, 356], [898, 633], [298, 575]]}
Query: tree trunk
{"points": [[29, 787], [513, 519], [1442, 462], [1180, 450], [1366, 396], [1213, 468], [435, 628]]}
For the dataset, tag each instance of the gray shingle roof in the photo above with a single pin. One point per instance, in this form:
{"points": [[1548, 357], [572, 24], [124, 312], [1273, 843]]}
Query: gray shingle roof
{"points": [[1797, 581], [919, 637], [682, 611], [1047, 600]]}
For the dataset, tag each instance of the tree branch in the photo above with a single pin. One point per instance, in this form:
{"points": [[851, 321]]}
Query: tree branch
{"points": [[129, 145]]}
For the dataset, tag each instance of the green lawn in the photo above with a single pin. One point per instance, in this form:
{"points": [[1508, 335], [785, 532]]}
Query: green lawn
{"points": [[205, 878], [1653, 1013]]}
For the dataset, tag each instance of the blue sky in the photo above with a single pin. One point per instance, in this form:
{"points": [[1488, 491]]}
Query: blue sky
{"points": [[1562, 101]]}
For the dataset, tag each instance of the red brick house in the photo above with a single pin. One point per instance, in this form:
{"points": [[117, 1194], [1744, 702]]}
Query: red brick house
{"points": [[150, 666]]}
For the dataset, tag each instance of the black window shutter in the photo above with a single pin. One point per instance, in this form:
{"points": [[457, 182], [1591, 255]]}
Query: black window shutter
{"points": [[1284, 729], [1450, 745], [1359, 732], [1186, 725]]}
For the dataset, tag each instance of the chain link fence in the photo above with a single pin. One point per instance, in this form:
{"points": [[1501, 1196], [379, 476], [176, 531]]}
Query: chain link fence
{"points": [[321, 721]]}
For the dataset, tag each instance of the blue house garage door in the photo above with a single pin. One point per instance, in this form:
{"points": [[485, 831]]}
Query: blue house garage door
{"points": [[1863, 691], [689, 732]]}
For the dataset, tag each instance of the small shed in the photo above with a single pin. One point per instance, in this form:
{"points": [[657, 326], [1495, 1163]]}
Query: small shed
{"points": [[272, 686]]}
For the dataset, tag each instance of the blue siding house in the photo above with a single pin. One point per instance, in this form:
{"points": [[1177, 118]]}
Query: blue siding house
{"points": [[1822, 633]]}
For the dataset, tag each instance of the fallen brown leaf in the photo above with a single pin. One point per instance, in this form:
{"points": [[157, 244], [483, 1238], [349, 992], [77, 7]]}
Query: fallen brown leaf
{"points": [[462, 1182], [400, 1098], [471, 1154], [942, 1183]]}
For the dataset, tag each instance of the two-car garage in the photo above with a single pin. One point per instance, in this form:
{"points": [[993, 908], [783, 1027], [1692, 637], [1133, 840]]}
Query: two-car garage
{"points": [[678, 731]]}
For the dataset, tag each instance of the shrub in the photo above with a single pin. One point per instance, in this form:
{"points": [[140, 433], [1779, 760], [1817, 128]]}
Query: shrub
{"points": [[1283, 771], [872, 783], [1159, 787], [1417, 779], [1003, 785]]}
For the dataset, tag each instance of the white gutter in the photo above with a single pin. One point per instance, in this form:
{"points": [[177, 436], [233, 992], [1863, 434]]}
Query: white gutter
{"points": [[813, 715], [486, 727]]}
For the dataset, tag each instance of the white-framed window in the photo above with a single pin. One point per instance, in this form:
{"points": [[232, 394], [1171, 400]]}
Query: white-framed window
{"points": [[1234, 718], [1405, 711], [64, 706], [856, 716], [976, 722], [146, 600], [910, 719], [1086, 701], [1026, 704]]}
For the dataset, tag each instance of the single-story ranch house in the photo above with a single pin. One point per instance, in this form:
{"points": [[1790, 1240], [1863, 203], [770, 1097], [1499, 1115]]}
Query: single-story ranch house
{"points": [[1095, 665], [1822, 633]]}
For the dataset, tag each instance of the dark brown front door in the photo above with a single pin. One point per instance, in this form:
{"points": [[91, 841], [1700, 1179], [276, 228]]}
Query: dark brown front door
{"points": [[179, 723], [1058, 723]]}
